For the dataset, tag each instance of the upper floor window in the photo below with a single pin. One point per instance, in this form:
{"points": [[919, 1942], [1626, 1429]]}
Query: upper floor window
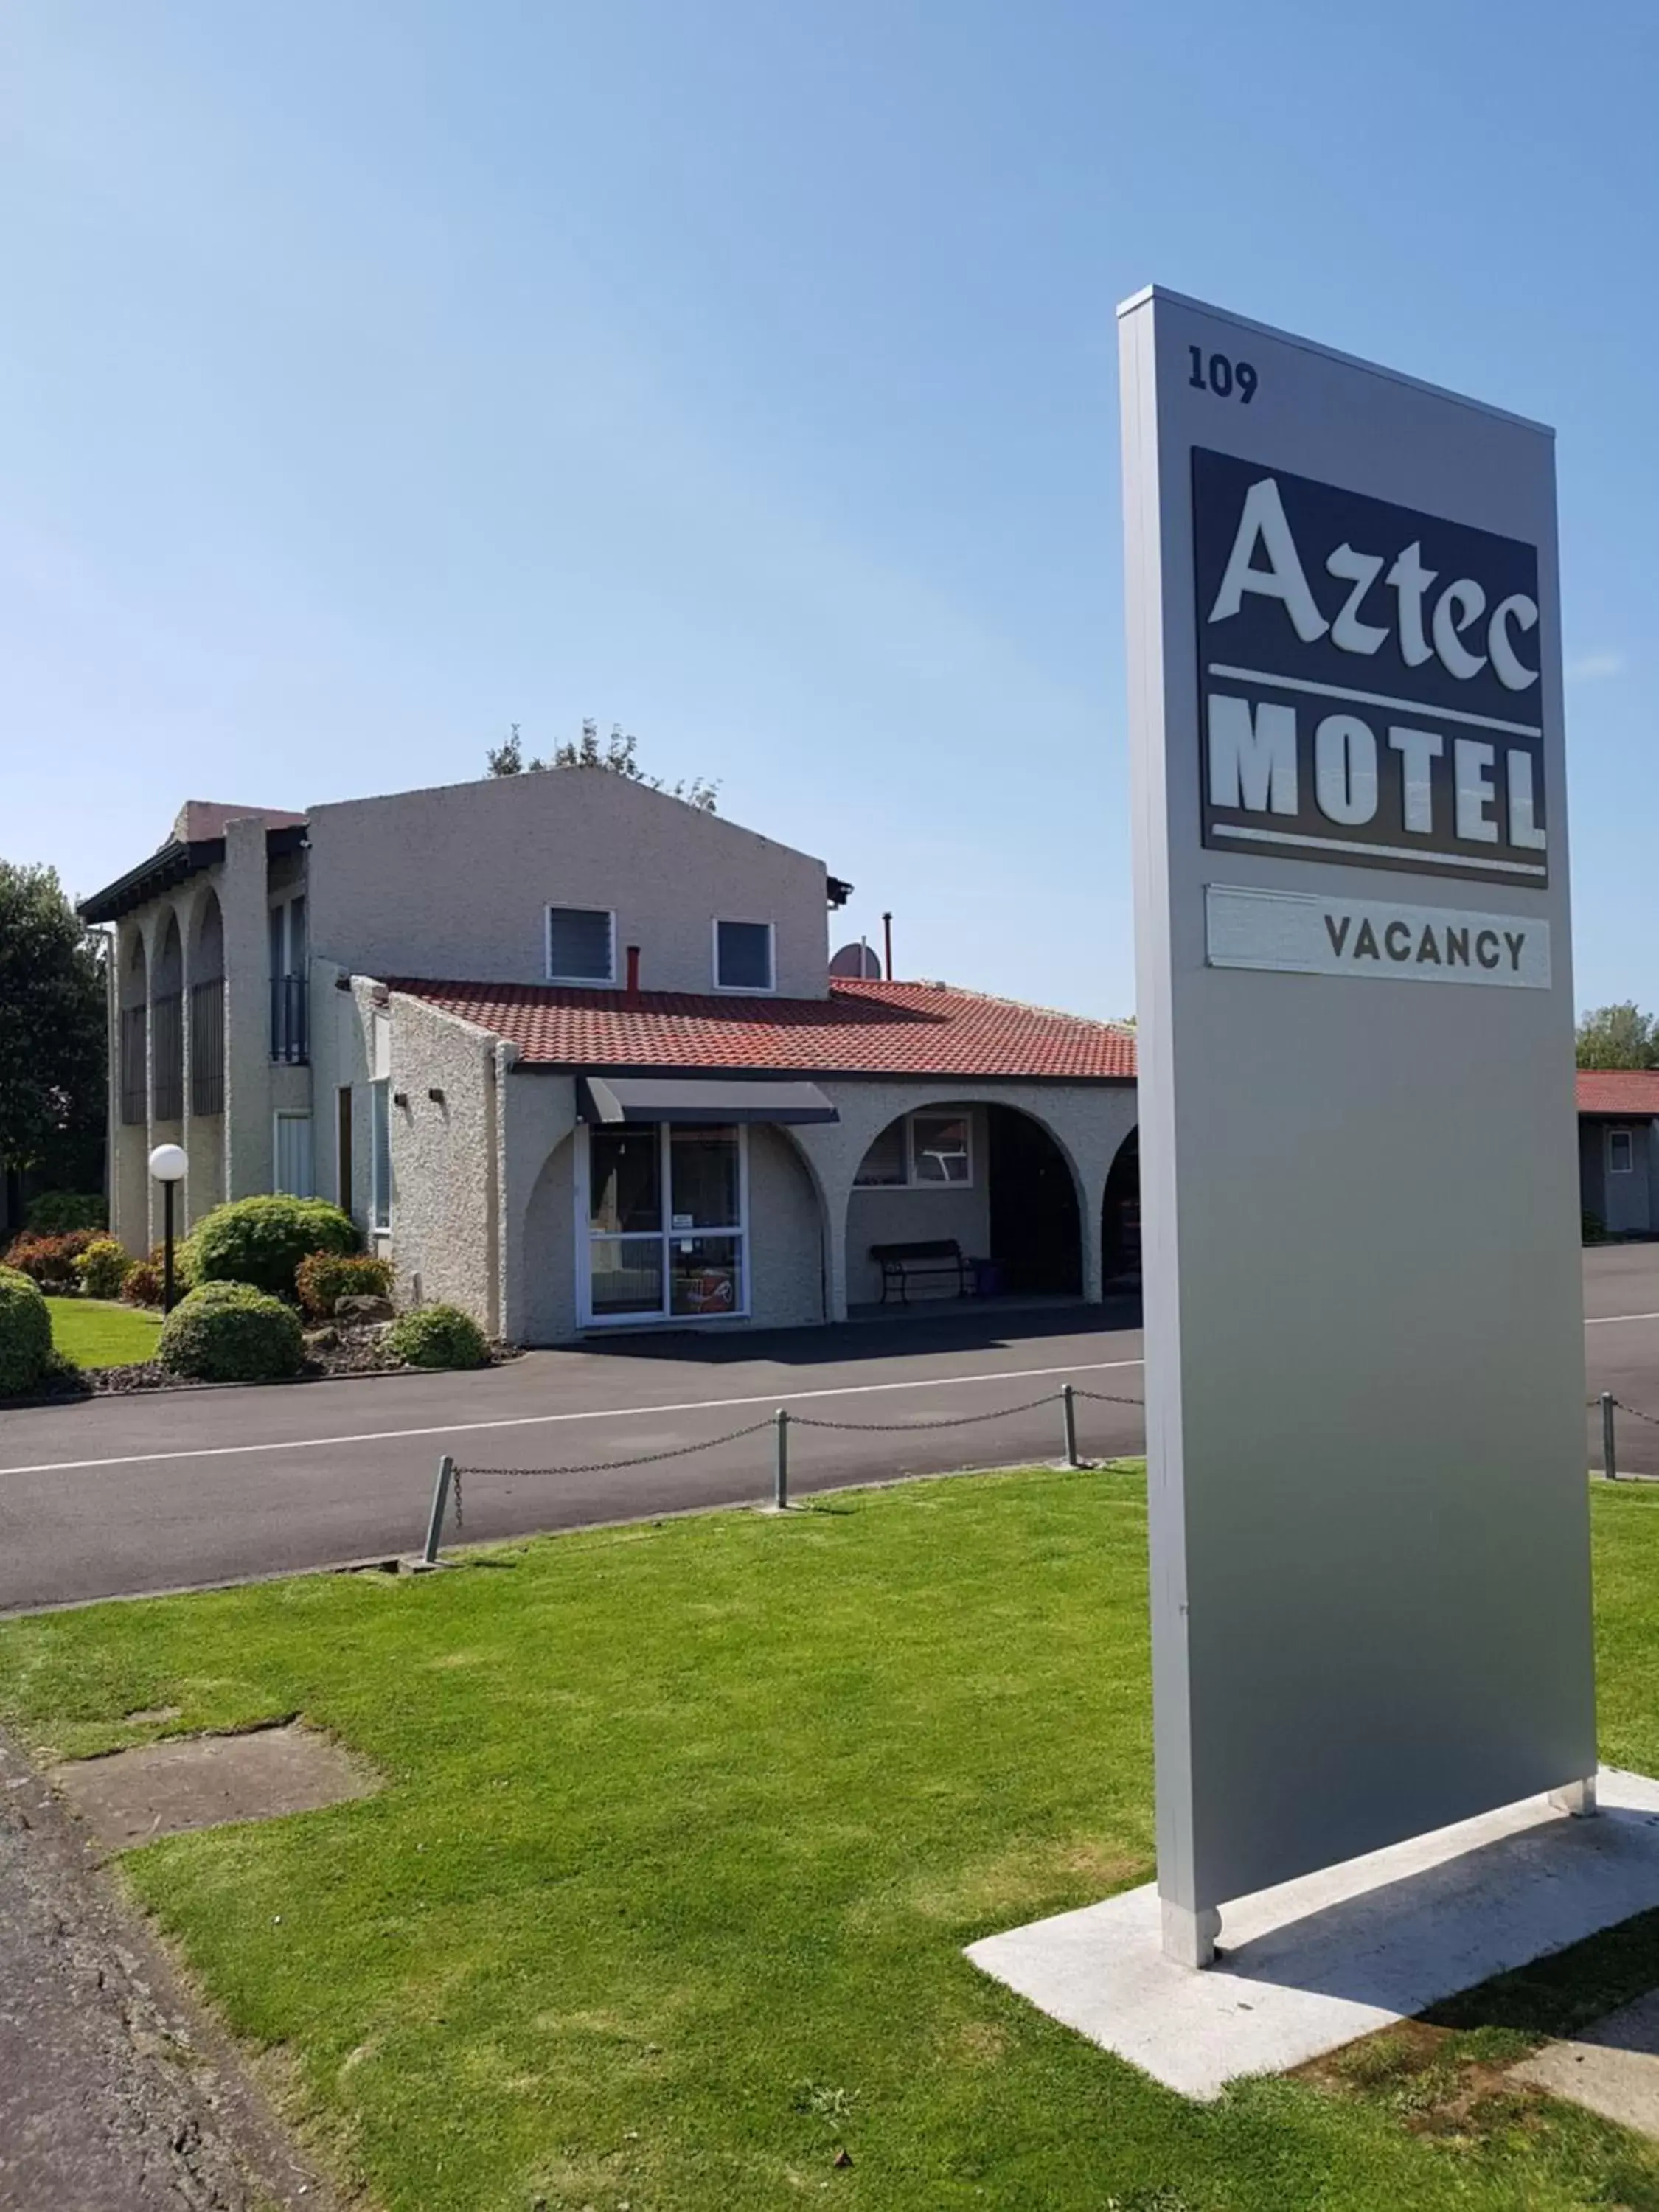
{"points": [[743, 956], [291, 1025], [581, 945]]}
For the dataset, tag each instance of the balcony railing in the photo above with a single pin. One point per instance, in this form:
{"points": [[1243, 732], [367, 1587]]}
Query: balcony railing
{"points": [[207, 1047], [291, 1025], [167, 1030], [133, 1068]]}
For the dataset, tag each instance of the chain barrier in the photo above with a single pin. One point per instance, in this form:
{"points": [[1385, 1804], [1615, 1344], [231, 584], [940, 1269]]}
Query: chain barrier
{"points": [[1651, 1420], [450, 1477], [906, 1428], [644, 1459]]}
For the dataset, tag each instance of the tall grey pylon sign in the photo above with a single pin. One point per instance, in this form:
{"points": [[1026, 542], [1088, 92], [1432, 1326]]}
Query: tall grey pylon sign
{"points": [[1364, 1350]]}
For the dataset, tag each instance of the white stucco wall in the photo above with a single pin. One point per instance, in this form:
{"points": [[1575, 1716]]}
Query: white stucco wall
{"points": [[446, 1222], [455, 882]]}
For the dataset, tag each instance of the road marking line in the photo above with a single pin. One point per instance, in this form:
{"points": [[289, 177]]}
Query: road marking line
{"points": [[595, 1413], [1600, 1321]]}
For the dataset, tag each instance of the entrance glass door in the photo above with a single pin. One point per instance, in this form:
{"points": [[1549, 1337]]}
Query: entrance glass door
{"points": [[667, 1228]]}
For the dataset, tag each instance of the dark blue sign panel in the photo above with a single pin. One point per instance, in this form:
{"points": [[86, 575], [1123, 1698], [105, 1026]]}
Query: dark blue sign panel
{"points": [[1368, 680]]}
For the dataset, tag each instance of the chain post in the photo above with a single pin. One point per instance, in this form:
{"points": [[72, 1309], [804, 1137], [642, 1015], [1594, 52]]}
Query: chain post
{"points": [[434, 1526], [780, 1496], [1609, 1448], [1068, 1416]]}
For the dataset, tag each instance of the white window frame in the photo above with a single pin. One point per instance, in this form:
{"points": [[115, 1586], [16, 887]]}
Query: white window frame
{"points": [[1629, 1136], [745, 990], [586, 1237], [913, 1180], [294, 1114], [605, 982], [380, 1163]]}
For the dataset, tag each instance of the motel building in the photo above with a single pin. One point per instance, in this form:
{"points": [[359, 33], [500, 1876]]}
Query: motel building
{"points": [[573, 1054]]}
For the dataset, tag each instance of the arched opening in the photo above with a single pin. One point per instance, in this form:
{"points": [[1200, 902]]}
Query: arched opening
{"points": [[1120, 1214], [166, 1021], [134, 992], [986, 1186], [207, 1009]]}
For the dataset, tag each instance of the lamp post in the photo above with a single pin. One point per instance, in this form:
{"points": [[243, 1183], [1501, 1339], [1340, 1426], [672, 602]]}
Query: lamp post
{"points": [[168, 1165]]}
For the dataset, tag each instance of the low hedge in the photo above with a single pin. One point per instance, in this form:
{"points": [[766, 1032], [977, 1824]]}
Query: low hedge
{"points": [[437, 1336], [26, 1353], [49, 1261], [103, 1267], [262, 1241], [323, 1278], [231, 1333]]}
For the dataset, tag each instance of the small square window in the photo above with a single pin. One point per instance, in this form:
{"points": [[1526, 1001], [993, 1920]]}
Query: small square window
{"points": [[1621, 1159], [581, 945], [940, 1149], [886, 1165], [743, 956]]}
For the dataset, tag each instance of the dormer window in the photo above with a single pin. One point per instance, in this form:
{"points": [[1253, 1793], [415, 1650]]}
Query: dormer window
{"points": [[743, 959], [581, 945]]}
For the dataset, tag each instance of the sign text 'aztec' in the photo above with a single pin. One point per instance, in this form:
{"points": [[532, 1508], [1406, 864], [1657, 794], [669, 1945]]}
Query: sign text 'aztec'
{"points": [[1368, 680]]}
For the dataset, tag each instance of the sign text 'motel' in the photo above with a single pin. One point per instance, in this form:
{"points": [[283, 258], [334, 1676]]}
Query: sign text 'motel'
{"points": [[1367, 678]]}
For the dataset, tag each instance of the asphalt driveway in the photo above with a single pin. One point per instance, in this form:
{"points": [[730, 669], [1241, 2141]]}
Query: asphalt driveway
{"points": [[122, 1495]]}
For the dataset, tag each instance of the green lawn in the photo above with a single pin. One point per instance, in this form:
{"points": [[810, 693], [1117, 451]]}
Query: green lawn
{"points": [[99, 1332], [684, 1829]]}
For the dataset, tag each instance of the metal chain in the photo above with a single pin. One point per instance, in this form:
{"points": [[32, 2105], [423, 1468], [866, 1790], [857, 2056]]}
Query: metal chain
{"points": [[903, 1428], [455, 1492], [604, 1466], [1109, 1398], [1651, 1422]]}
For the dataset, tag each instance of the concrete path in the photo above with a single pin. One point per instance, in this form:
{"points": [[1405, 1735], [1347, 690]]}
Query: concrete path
{"points": [[1612, 2068], [126, 1495], [114, 2095]]}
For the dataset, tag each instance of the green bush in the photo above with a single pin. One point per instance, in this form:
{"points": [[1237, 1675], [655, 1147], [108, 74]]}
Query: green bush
{"points": [[25, 1333], [323, 1278], [185, 1273], [49, 1261], [231, 1333], [262, 1241], [55, 1212], [103, 1267], [437, 1336], [1593, 1228]]}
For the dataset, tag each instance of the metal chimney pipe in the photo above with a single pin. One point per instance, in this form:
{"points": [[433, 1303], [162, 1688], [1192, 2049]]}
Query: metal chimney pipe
{"points": [[633, 971], [887, 942]]}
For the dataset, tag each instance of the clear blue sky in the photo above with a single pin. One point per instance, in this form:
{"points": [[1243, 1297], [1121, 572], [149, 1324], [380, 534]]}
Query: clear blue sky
{"points": [[376, 374]]}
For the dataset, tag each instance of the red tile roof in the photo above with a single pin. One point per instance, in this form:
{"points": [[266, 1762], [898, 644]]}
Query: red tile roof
{"points": [[1630, 1090], [860, 1028]]}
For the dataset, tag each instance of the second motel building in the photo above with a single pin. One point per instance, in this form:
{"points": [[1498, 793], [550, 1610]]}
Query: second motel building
{"points": [[571, 1052]]}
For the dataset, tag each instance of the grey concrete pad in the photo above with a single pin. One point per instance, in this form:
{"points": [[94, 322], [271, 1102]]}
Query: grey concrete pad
{"points": [[1613, 2069], [200, 1782], [1312, 1963]]}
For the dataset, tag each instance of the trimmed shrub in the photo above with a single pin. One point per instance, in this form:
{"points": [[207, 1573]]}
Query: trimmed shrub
{"points": [[437, 1336], [103, 1267], [56, 1211], [25, 1332], [49, 1261], [231, 1333], [323, 1278], [1594, 1229], [184, 1274], [262, 1241], [142, 1285]]}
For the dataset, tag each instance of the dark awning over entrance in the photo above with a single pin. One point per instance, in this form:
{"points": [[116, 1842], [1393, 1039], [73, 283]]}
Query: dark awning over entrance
{"points": [[699, 1098]]}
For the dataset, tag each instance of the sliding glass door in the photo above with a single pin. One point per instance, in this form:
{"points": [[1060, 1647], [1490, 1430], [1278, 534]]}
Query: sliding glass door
{"points": [[666, 1216]]}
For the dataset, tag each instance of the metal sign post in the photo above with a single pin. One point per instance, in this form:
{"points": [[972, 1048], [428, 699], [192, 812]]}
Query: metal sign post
{"points": [[1364, 1363]]}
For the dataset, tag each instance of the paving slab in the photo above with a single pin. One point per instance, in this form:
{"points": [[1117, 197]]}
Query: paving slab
{"points": [[1311, 1965], [1612, 2068], [131, 1797]]}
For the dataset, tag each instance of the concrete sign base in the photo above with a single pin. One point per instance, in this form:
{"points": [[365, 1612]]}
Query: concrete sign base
{"points": [[1308, 1965]]}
